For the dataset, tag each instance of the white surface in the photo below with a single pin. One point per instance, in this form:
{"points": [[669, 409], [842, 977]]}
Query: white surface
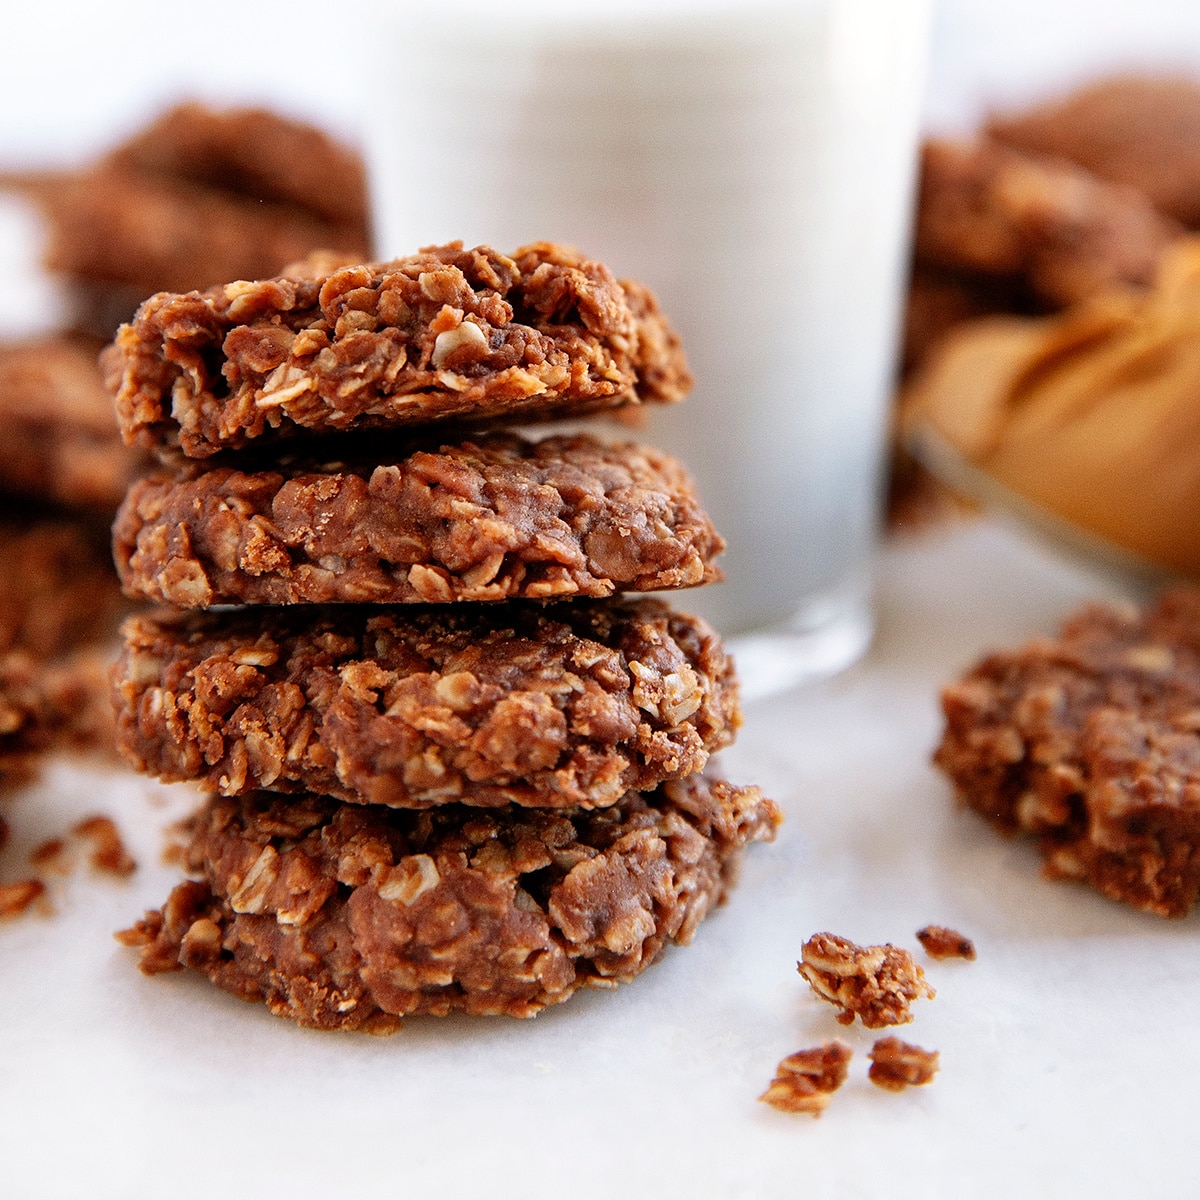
{"points": [[1068, 1051]]}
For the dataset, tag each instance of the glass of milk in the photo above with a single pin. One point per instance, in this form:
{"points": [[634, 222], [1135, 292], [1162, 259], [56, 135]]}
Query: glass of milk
{"points": [[753, 163]]}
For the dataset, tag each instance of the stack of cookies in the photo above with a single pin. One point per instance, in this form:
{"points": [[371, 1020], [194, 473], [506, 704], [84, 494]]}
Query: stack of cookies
{"points": [[453, 769]]}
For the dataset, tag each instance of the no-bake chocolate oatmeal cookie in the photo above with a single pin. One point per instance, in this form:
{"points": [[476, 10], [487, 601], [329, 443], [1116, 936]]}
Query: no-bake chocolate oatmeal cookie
{"points": [[1091, 742], [28, 716], [342, 916], [1045, 225], [518, 703], [61, 705], [59, 440], [446, 333], [59, 604], [199, 197], [256, 153], [1139, 130], [58, 590], [491, 519]]}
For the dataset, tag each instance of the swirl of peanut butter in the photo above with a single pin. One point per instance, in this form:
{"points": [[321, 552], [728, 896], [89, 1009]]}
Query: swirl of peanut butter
{"points": [[1092, 414]]}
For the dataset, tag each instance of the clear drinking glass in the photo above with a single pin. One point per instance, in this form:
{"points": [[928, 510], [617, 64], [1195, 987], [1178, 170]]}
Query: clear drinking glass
{"points": [[753, 163]]}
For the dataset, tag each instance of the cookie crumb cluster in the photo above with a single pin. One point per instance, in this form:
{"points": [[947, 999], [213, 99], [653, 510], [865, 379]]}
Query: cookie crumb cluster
{"points": [[805, 1081], [876, 984], [57, 856]]}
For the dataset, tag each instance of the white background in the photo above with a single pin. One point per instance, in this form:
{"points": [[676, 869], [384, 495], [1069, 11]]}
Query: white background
{"points": [[77, 73]]}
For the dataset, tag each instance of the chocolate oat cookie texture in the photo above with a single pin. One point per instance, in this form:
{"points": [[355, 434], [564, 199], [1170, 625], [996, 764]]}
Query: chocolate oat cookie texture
{"points": [[1089, 743], [454, 765]]}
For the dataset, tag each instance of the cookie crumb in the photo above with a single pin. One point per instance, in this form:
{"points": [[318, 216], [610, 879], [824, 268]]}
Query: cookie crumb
{"points": [[108, 851], [805, 1081], [174, 854], [874, 983], [942, 942], [896, 1065], [15, 898], [49, 855]]}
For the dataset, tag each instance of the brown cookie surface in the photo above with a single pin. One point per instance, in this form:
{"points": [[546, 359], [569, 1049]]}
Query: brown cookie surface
{"points": [[122, 230], [492, 519], [58, 705], [1091, 742], [58, 590], [1139, 130], [59, 440], [198, 197], [519, 703], [447, 333], [341, 916], [1044, 225], [253, 152]]}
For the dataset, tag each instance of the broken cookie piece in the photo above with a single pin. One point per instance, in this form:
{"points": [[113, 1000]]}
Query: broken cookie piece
{"points": [[805, 1081], [108, 850], [896, 1065], [874, 983], [16, 898], [350, 916]]}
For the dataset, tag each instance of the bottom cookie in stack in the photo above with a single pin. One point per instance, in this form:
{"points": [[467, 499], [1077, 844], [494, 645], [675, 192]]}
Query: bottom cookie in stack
{"points": [[348, 916]]}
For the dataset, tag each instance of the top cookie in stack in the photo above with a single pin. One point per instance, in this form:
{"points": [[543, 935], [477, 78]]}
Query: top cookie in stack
{"points": [[313, 431], [334, 347]]}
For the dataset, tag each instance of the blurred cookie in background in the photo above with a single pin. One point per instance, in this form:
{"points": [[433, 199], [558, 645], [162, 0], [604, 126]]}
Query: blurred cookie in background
{"points": [[59, 441], [197, 197], [1025, 220], [60, 604], [58, 589], [1139, 130], [1031, 233]]}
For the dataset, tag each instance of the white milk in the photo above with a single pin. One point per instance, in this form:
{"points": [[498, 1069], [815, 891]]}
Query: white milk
{"points": [[754, 167]]}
